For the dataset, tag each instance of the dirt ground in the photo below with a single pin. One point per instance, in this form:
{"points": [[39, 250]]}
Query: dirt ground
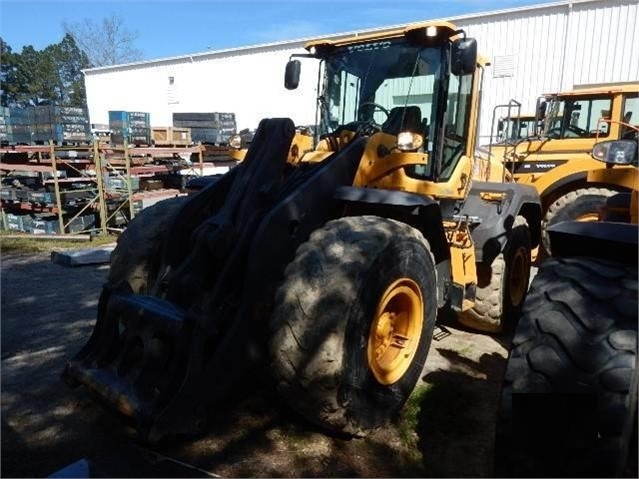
{"points": [[446, 429]]}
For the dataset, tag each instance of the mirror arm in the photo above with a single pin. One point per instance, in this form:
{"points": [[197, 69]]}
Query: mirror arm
{"points": [[300, 55], [457, 32]]}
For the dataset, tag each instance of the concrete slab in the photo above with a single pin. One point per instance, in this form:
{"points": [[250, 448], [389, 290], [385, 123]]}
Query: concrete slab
{"points": [[83, 256]]}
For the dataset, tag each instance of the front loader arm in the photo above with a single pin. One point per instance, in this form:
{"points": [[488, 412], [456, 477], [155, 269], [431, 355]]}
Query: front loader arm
{"points": [[189, 342]]}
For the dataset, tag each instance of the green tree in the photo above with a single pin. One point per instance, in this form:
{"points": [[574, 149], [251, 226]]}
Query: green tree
{"points": [[69, 61], [50, 76], [37, 76], [8, 68]]}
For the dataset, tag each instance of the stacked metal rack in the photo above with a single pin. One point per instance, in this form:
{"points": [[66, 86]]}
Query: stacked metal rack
{"points": [[30, 173], [61, 190], [130, 172]]}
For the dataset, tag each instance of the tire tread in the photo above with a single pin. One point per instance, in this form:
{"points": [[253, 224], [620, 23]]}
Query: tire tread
{"points": [[310, 383], [557, 350]]}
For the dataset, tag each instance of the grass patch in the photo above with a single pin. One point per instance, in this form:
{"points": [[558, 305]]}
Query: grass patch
{"points": [[466, 350], [409, 417], [438, 407], [35, 245]]}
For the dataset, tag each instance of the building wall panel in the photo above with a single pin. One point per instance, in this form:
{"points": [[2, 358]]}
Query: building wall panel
{"points": [[545, 49], [253, 88]]}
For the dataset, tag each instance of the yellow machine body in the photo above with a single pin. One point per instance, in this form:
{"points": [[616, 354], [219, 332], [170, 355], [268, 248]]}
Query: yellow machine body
{"points": [[624, 177], [557, 165], [383, 166]]}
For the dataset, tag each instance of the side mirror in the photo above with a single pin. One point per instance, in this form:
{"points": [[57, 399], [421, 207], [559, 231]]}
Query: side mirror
{"points": [[463, 56], [292, 74], [616, 152]]}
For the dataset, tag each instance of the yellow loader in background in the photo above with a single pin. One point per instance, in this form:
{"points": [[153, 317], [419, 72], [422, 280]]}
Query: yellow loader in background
{"points": [[517, 127], [557, 160], [302, 143]]}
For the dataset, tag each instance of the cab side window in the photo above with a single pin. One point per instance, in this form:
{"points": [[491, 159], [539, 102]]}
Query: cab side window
{"points": [[456, 123]]}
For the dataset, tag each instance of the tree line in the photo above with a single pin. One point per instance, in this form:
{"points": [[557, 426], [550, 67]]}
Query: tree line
{"points": [[53, 75]]}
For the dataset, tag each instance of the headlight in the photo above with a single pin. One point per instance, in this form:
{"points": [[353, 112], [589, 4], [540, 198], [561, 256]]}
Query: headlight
{"points": [[407, 141], [235, 142], [600, 152]]}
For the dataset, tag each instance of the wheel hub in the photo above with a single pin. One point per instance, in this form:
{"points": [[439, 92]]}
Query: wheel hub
{"points": [[395, 331]]}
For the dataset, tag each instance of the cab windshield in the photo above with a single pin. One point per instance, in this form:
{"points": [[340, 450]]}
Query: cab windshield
{"points": [[575, 117], [393, 86], [390, 84]]}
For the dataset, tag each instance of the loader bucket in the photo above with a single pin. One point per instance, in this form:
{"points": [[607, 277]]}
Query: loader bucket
{"points": [[161, 359]]}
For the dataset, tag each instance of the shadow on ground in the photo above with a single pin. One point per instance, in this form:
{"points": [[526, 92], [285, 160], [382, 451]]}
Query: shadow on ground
{"points": [[48, 312]]}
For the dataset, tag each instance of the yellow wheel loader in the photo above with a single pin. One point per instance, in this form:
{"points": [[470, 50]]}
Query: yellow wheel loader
{"points": [[519, 127], [569, 401], [328, 260], [557, 160], [516, 127], [302, 142]]}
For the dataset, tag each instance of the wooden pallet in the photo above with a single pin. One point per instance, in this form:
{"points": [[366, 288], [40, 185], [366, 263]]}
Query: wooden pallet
{"points": [[171, 136]]}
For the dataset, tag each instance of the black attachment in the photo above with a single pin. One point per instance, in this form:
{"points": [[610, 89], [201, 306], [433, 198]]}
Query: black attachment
{"points": [[164, 359]]}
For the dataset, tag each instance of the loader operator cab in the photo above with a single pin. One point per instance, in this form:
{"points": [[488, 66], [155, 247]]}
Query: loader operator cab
{"points": [[516, 128], [573, 117], [392, 90]]}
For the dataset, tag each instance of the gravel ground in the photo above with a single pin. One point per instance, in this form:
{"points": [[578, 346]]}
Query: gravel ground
{"points": [[48, 312]]}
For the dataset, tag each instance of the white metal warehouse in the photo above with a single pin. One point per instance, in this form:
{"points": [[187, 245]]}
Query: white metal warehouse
{"points": [[533, 50]]}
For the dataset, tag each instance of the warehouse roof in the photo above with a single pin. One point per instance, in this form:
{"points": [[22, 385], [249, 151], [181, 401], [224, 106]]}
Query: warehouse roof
{"points": [[291, 44]]}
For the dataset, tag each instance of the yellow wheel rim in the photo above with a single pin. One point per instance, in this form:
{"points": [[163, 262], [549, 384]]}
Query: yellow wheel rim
{"points": [[534, 253], [518, 278], [592, 216], [395, 332]]}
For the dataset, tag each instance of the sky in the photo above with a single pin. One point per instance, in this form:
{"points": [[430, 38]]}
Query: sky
{"points": [[168, 28]]}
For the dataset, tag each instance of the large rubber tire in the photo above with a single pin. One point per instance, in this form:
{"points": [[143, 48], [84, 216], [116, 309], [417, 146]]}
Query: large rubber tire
{"points": [[136, 257], [569, 400], [583, 203], [618, 208], [495, 308], [323, 317]]}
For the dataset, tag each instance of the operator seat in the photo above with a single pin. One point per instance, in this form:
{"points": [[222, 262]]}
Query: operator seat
{"points": [[412, 120]]}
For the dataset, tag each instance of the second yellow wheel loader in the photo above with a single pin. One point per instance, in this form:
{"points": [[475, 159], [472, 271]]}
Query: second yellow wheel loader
{"points": [[555, 156], [328, 265]]}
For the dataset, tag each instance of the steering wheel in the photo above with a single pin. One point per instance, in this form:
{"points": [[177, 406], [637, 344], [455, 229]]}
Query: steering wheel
{"points": [[364, 127], [368, 126], [571, 132], [376, 106]]}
